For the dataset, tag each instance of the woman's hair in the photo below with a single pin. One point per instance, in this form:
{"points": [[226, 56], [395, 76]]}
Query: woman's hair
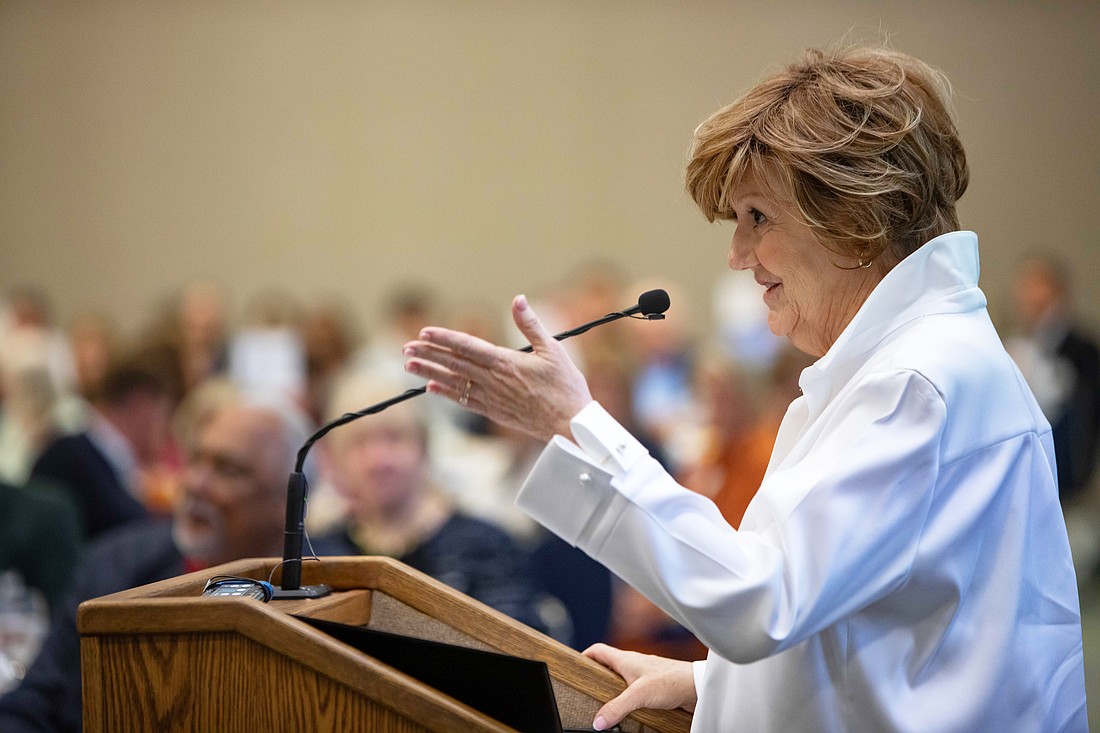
{"points": [[862, 139]]}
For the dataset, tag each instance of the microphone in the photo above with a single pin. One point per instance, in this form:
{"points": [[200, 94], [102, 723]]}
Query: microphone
{"points": [[651, 306]]}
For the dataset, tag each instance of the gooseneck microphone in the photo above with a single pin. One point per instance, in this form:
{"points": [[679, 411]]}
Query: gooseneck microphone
{"points": [[651, 306]]}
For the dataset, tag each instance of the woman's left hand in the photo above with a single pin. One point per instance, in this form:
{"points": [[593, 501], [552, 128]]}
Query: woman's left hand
{"points": [[537, 393], [652, 682]]}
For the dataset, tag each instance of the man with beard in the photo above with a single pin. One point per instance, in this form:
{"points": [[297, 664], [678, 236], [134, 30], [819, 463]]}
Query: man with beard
{"points": [[231, 508]]}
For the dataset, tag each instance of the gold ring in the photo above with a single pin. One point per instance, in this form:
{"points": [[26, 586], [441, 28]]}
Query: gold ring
{"points": [[466, 393]]}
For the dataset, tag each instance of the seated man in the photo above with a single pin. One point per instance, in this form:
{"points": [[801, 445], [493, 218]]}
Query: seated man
{"points": [[232, 507], [128, 426], [381, 465]]}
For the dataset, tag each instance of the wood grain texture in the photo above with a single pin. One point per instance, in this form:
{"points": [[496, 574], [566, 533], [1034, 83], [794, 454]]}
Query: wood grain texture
{"points": [[227, 683], [168, 658]]}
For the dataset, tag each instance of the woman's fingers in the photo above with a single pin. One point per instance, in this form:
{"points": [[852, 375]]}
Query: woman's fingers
{"points": [[425, 361], [652, 682], [536, 393], [461, 347], [529, 324], [450, 367], [610, 657], [613, 711]]}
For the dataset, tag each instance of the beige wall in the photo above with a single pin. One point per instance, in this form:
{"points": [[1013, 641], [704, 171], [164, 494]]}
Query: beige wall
{"points": [[485, 147]]}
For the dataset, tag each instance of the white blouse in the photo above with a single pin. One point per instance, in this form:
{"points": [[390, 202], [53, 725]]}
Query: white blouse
{"points": [[904, 565]]}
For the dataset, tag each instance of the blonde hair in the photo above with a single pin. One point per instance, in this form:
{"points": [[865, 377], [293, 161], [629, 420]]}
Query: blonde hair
{"points": [[861, 139], [355, 390]]}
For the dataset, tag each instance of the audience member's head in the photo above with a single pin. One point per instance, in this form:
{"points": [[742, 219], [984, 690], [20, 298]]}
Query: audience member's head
{"points": [[137, 395], [29, 340], [272, 307], [728, 394], [94, 345], [1040, 290], [379, 463], [28, 306], [202, 321], [234, 488]]}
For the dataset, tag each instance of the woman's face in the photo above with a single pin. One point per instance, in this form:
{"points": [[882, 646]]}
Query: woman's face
{"points": [[810, 299], [380, 465]]}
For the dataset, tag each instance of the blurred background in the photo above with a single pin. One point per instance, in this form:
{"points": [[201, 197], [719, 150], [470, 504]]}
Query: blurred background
{"points": [[484, 148], [280, 194]]}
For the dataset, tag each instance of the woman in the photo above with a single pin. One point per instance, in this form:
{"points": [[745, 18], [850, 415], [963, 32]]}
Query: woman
{"points": [[382, 468], [904, 565]]}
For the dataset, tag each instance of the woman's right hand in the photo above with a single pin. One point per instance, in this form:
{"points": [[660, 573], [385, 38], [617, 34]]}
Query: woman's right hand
{"points": [[652, 682], [537, 393]]}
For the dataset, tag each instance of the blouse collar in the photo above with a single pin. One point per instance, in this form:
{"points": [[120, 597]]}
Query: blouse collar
{"points": [[940, 277]]}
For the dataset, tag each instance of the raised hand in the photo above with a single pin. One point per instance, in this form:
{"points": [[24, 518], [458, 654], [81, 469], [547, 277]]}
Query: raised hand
{"points": [[537, 392]]}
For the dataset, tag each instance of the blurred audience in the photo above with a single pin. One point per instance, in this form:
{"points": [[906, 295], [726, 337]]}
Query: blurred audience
{"points": [[381, 464], [406, 310], [481, 473], [741, 416], [266, 354], [36, 378], [128, 430], [425, 482], [30, 418], [482, 476], [330, 337], [612, 384], [736, 442], [201, 329], [28, 332], [192, 327], [95, 346], [663, 402], [39, 547], [1061, 362], [42, 538], [232, 507]]}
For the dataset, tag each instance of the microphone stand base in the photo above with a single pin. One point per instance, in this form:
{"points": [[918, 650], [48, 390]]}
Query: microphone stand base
{"points": [[306, 591]]}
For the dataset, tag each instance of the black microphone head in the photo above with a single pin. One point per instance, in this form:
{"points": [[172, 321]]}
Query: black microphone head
{"points": [[653, 302]]}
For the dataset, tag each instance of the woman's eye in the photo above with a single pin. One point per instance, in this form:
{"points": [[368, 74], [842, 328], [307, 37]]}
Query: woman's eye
{"points": [[757, 217]]}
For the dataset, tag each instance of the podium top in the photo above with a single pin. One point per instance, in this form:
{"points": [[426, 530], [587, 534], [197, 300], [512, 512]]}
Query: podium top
{"points": [[376, 592]]}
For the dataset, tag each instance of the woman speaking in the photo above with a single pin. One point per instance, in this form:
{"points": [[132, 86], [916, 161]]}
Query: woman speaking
{"points": [[904, 565]]}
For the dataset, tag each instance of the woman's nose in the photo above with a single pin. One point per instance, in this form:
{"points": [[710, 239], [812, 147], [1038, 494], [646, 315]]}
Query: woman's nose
{"points": [[742, 252]]}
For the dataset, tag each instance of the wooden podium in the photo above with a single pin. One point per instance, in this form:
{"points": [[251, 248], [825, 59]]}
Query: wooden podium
{"points": [[163, 657]]}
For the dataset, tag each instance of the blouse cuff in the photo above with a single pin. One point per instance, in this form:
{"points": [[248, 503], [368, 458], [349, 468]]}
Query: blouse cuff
{"points": [[605, 441]]}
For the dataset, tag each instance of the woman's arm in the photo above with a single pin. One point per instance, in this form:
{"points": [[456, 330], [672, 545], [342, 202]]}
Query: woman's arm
{"points": [[835, 527]]}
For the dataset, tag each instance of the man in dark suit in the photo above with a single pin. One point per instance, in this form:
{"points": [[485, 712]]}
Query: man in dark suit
{"points": [[232, 507], [128, 427]]}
